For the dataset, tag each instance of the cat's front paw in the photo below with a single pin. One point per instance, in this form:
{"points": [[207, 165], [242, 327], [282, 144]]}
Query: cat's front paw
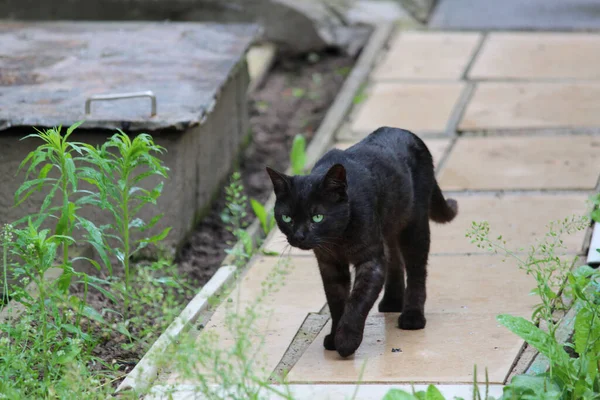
{"points": [[411, 320], [348, 338], [329, 342]]}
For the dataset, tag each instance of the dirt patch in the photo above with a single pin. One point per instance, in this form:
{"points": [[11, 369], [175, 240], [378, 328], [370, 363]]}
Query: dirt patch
{"points": [[294, 99]]}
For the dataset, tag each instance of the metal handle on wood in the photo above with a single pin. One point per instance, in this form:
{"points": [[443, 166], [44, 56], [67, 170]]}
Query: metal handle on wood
{"points": [[118, 96]]}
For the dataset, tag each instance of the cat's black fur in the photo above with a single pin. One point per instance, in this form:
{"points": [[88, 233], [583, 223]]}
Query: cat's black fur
{"points": [[376, 199]]}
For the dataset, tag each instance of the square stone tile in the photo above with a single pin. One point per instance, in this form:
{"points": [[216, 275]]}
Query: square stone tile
{"points": [[445, 351], [519, 162], [512, 105], [428, 55], [283, 313], [464, 296], [477, 284], [521, 219], [418, 107], [548, 55]]}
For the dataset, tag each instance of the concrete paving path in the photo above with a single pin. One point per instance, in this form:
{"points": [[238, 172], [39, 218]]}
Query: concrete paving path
{"points": [[512, 120]]}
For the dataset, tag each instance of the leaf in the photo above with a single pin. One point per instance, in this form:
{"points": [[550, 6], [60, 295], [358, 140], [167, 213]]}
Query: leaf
{"points": [[93, 262], [121, 328], [397, 394], [136, 223], [167, 280], [587, 332], [596, 215], [100, 249], [298, 155], [528, 387], [29, 188], [68, 355], [583, 321], [536, 337], [44, 171], [91, 313], [92, 282], [49, 197], [70, 172], [421, 395], [157, 238], [152, 222], [64, 281], [433, 393], [72, 128], [261, 214], [75, 330]]}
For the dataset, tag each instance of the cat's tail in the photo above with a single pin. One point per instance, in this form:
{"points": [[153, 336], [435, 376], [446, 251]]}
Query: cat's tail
{"points": [[440, 209]]}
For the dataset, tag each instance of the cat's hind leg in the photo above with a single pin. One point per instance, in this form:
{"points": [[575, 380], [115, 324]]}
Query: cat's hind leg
{"points": [[393, 296]]}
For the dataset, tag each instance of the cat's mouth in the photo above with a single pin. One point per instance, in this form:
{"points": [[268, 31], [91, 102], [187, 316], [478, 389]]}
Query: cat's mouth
{"points": [[301, 246]]}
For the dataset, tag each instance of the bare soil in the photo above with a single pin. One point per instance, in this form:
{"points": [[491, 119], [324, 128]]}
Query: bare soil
{"points": [[294, 99]]}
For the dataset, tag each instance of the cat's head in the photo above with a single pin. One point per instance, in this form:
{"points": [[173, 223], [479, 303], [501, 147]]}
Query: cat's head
{"points": [[311, 210]]}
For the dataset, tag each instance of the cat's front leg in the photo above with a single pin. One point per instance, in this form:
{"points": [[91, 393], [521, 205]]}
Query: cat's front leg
{"points": [[368, 283], [336, 282]]}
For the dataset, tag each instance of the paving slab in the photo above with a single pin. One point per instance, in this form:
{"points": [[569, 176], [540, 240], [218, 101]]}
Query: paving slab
{"points": [[403, 105], [522, 162], [464, 296], [428, 55], [534, 56], [517, 15], [521, 219], [284, 313], [517, 105]]}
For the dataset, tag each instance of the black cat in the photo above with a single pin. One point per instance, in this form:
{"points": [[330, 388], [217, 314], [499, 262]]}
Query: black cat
{"points": [[368, 206]]}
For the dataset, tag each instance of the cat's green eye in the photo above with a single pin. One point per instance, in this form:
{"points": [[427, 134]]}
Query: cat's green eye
{"points": [[287, 219], [318, 217]]}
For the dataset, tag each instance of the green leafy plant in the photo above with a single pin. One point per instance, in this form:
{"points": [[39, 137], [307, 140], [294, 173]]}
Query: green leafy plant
{"points": [[118, 170], [298, 155], [58, 154], [35, 349], [47, 343], [234, 216], [567, 377]]}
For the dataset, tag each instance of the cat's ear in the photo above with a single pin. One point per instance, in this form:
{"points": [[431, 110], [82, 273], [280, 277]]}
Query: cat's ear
{"points": [[281, 182], [335, 181]]}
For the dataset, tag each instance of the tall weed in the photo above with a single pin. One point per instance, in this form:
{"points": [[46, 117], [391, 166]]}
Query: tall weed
{"points": [[556, 279]]}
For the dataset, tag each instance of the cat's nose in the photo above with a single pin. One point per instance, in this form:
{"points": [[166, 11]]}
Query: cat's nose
{"points": [[299, 236]]}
